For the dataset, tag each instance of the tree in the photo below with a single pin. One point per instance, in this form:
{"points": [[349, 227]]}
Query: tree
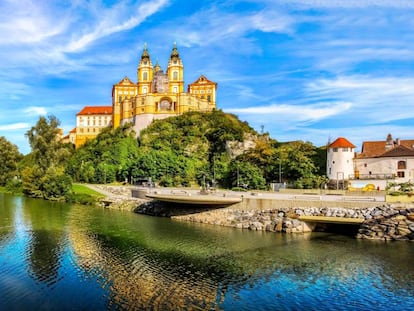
{"points": [[9, 159], [297, 162], [245, 175], [107, 158], [44, 173]]}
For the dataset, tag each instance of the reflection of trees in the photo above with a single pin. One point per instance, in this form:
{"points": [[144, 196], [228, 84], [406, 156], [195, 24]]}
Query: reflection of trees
{"points": [[47, 221], [138, 276], [7, 210], [155, 262], [44, 252]]}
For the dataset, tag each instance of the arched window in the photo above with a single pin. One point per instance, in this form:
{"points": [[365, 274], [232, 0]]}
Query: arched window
{"points": [[175, 75], [208, 98], [402, 165], [144, 90], [175, 89], [145, 76]]}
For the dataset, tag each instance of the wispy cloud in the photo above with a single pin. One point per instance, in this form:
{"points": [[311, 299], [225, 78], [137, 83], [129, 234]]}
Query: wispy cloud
{"points": [[376, 100], [27, 22], [352, 3], [200, 29], [122, 16], [296, 113], [35, 110], [14, 126]]}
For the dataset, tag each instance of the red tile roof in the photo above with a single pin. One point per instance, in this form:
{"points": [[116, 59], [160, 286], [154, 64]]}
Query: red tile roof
{"points": [[374, 149], [399, 151], [202, 80], [95, 110], [341, 142]]}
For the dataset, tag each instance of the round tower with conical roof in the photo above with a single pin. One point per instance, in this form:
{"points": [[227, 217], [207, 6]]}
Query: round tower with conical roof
{"points": [[340, 159]]}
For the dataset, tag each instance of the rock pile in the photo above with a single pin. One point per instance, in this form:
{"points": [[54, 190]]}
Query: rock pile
{"points": [[388, 223], [384, 222]]}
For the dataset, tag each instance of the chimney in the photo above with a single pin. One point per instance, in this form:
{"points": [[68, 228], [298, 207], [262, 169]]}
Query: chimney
{"points": [[389, 142]]}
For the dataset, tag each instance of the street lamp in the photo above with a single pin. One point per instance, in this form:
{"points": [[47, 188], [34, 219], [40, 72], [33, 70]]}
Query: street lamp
{"points": [[280, 170], [238, 175]]}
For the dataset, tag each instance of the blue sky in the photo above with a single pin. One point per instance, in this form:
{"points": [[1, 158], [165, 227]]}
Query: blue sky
{"points": [[302, 69]]}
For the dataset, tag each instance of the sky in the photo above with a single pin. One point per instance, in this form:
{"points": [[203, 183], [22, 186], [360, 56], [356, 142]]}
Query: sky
{"points": [[310, 70]]}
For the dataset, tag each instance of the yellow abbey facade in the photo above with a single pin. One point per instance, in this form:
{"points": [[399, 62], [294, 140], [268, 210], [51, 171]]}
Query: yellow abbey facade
{"points": [[158, 95]]}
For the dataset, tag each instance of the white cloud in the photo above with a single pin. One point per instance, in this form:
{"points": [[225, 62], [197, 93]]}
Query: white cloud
{"points": [[123, 16], [296, 113], [376, 100], [214, 26], [35, 110], [14, 126], [26, 22], [352, 3]]}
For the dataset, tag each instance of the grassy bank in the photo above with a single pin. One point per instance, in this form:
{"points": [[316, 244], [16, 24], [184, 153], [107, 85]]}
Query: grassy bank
{"points": [[84, 195]]}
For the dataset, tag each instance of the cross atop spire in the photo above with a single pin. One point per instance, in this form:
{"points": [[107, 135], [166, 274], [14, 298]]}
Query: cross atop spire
{"points": [[174, 53], [145, 53]]}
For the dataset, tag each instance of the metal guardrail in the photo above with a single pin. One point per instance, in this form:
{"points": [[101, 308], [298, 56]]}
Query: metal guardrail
{"points": [[372, 176]]}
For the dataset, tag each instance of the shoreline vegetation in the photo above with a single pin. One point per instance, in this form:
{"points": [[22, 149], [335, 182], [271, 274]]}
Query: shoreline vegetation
{"points": [[81, 194], [200, 150]]}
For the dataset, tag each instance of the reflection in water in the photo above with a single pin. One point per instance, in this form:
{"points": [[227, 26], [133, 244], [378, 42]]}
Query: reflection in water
{"points": [[118, 260], [8, 206], [47, 238]]}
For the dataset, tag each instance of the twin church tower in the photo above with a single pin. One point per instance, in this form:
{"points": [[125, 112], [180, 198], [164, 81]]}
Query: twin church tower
{"points": [[156, 95], [159, 94]]}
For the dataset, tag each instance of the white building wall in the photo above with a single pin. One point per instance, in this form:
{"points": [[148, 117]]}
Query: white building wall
{"points": [[142, 121], [382, 168], [340, 163]]}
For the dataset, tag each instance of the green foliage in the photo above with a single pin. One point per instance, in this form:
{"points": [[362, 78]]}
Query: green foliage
{"points": [[43, 170], [297, 160], [84, 195], [14, 186], [245, 175], [189, 148], [55, 184], [9, 158], [108, 158], [395, 188], [311, 182], [193, 149]]}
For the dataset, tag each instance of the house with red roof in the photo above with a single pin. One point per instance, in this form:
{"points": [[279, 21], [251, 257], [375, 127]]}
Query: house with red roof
{"points": [[378, 162]]}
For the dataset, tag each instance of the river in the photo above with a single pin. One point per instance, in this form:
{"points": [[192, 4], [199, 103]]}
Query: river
{"points": [[56, 256]]}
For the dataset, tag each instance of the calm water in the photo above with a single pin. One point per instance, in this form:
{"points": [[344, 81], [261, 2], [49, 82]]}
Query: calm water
{"points": [[68, 257]]}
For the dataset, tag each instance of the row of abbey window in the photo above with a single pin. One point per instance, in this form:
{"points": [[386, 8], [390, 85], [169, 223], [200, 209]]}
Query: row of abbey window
{"points": [[145, 76]]}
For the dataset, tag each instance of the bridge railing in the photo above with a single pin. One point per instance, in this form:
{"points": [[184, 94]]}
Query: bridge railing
{"points": [[372, 176]]}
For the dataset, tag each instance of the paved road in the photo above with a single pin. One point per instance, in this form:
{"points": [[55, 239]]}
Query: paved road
{"points": [[372, 197]]}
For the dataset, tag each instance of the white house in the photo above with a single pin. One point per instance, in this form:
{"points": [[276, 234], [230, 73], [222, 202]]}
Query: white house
{"points": [[378, 163]]}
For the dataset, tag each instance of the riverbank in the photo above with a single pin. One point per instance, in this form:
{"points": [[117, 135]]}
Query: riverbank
{"points": [[282, 212]]}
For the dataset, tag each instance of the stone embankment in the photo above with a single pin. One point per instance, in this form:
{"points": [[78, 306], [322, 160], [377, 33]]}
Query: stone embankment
{"points": [[386, 222], [118, 197], [383, 222]]}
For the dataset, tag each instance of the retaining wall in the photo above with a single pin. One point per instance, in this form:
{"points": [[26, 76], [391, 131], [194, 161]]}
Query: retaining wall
{"points": [[382, 222]]}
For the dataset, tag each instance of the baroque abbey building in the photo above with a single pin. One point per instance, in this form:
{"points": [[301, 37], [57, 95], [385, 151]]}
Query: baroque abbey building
{"points": [[159, 94], [156, 95]]}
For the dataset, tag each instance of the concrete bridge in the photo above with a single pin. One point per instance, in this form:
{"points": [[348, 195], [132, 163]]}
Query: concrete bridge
{"points": [[332, 220]]}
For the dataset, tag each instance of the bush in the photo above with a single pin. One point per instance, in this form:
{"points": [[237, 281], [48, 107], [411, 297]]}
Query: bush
{"points": [[81, 198], [14, 186], [239, 189]]}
